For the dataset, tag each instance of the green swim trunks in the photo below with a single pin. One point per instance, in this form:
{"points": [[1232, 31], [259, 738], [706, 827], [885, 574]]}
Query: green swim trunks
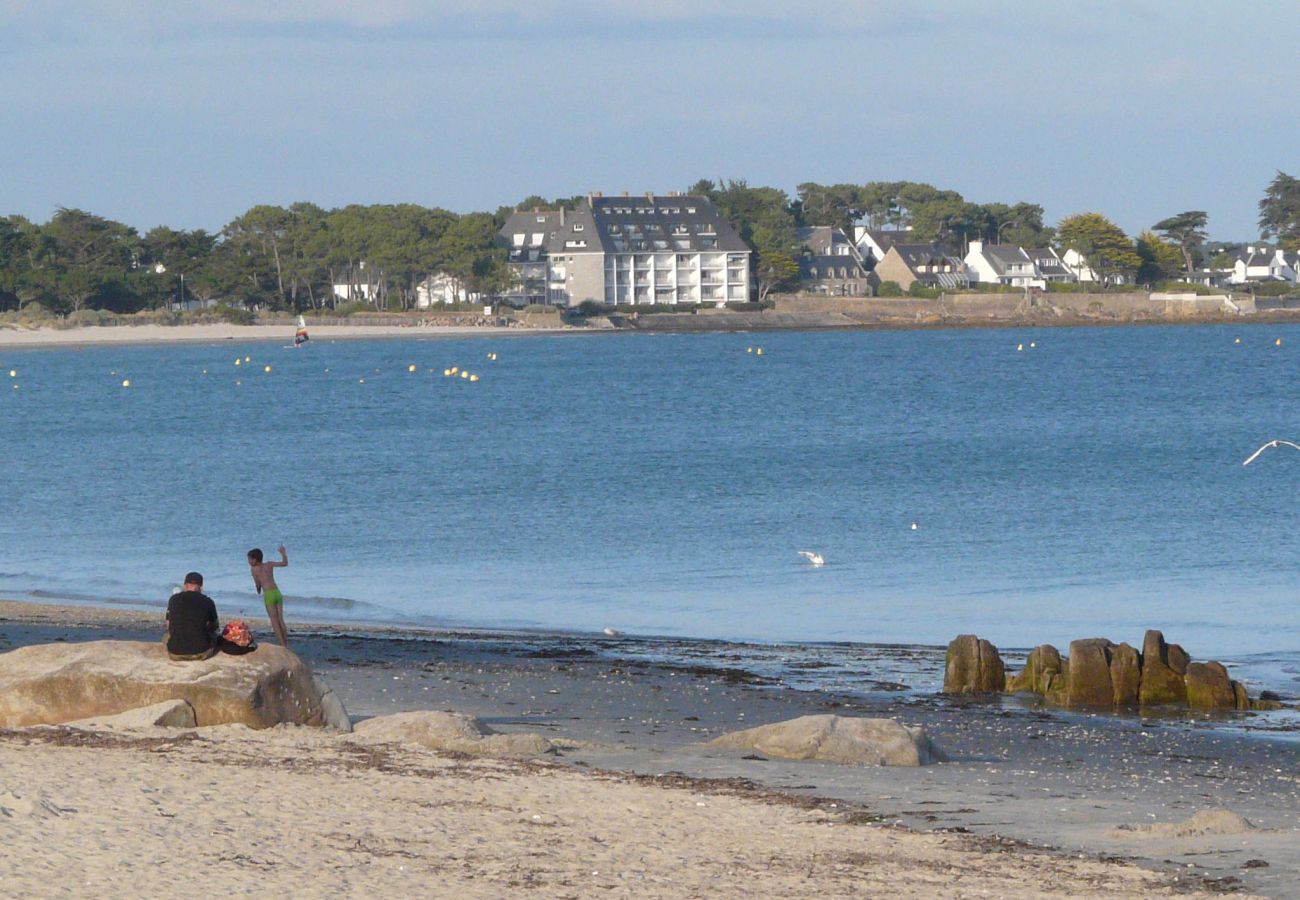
{"points": [[272, 596]]}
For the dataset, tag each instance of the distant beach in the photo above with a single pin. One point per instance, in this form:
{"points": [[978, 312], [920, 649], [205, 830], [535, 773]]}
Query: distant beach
{"points": [[149, 334]]}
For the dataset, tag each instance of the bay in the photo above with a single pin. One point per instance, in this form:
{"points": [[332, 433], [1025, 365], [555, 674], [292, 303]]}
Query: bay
{"points": [[1087, 484]]}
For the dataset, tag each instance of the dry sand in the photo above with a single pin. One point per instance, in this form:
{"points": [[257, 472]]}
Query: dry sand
{"points": [[292, 812], [626, 806], [145, 334]]}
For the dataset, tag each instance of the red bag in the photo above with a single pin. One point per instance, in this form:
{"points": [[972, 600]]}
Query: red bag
{"points": [[238, 634]]}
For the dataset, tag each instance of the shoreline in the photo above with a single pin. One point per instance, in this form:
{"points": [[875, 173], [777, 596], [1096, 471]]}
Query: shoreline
{"points": [[663, 323], [98, 335], [1051, 779]]}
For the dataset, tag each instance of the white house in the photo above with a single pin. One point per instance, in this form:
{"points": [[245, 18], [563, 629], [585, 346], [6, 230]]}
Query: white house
{"points": [[873, 244], [351, 291], [1077, 263], [1002, 264], [358, 288], [1049, 266], [441, 287], [1262, 264]]}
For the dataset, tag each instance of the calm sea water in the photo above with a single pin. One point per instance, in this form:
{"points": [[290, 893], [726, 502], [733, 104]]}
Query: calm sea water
{"points": [[1088, 485]]}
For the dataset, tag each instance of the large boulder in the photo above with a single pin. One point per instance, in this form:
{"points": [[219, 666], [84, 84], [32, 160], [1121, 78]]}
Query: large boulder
{"points": [[168, 714], [1087, 678], [851, 741], [1163, 667], [50, 684], [1125, 675], [973, 666], [1209, 687], [449, 731], [1042, 669]]}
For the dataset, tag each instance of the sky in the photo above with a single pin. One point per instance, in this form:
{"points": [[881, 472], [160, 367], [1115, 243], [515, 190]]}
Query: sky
{"points": [[154, 112]]}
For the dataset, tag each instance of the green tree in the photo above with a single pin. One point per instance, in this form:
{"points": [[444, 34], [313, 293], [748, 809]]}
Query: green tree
{"points": [[1160, 259], [1102, 243], [1186, 231], [84, 255], [1279, 211], [776, 271]]}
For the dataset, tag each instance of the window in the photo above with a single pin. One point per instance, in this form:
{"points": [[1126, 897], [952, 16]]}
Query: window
{"points": [[541, 220], [690, 210], [537, 239], [574, 244], [518, 239], [578, 226]]}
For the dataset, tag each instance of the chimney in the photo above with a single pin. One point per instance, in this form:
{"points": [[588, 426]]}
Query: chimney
{"points": [[561, 215]]}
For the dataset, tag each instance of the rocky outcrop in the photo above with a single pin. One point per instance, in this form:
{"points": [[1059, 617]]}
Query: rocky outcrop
{"points": [[1087, 677], [1042, 674], [50, 684], [1163, 667], [449, 731], [973, 666], [1125, 675], [839, 739], [1099, 674], [1209, 687]]}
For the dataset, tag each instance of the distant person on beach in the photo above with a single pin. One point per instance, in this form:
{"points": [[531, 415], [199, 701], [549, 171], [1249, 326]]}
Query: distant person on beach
{"points": [[264, 581], [191, 622]]}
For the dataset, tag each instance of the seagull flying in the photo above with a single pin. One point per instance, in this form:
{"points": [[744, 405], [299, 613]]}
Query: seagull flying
{"points": [[814, 558], [1276, 442]]}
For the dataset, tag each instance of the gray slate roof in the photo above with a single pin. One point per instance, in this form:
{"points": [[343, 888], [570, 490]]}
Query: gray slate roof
{"points": [[830, 266]]}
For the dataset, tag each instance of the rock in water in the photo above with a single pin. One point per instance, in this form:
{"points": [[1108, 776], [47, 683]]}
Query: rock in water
{"points": [[49, 684], [449, 731], [1087, 677], [851, 741], [1209, 687], [1042, 668], [973, 666], [1163, 667], [1125, 675]]}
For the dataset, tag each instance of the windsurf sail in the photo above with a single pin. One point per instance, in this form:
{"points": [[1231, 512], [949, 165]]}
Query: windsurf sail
{"points": [[301, 337]]}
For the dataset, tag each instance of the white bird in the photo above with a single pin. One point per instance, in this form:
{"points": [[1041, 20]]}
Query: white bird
{"points": [[1276, 442], [814, 558], [612, 632]]}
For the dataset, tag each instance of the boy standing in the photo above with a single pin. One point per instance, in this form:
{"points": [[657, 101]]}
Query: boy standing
{"points": [[264, 581]]}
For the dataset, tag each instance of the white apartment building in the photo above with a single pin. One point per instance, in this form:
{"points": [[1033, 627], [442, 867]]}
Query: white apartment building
{"points": [[633, 250]]}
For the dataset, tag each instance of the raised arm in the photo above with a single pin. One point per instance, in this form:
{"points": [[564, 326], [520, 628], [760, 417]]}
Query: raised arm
{"points": [[284, 558]]}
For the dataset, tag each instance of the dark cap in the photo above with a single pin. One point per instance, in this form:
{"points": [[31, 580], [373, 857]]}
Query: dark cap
{"points": [[194, 578]]}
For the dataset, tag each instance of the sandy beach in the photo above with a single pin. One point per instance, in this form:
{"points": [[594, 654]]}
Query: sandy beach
{"points": [[1031, 803], [148, 334]]}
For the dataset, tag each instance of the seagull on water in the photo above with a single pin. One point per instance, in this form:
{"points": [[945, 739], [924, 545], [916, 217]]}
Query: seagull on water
{"points": [[1276, 442], [814, 558]]}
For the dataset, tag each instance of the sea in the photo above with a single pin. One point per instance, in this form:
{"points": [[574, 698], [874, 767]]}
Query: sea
{"points": [[1026, 485]]}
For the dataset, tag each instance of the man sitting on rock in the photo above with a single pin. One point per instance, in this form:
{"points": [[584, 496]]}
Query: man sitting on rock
{"points": [[191, 622]]}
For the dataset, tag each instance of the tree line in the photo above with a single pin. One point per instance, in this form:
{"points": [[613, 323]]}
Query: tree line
{"points": [[289, 258]]}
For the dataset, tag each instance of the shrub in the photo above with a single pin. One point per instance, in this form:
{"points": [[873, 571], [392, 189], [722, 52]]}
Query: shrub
{"points": [[919, 290], [889, 289], [592, 308]]}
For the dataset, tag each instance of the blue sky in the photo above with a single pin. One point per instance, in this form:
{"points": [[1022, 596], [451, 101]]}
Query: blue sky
{"points": [[149, 113]]}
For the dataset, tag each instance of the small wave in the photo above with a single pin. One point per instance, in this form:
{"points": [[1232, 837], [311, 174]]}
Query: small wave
{"points": [[93, 599]]}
